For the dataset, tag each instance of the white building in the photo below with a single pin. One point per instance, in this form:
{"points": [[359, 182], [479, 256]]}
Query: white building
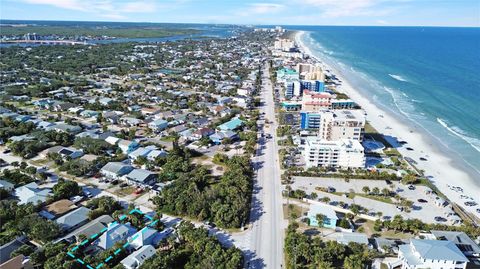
{"points": [[341, 124], [284, 44], [343, 153], [431, 254], [138, 257]]}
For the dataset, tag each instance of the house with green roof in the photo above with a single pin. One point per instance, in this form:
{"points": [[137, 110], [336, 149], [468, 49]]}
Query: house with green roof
{"points": [[231, 125]]}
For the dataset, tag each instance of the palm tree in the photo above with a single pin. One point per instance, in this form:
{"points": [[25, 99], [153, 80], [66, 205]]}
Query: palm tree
{"points": [[376, 190], [325, 199], [320, 218], [366, 189], [385, 192]]}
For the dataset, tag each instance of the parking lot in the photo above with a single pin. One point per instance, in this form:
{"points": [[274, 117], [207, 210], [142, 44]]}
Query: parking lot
{"points": [[426, 211]]}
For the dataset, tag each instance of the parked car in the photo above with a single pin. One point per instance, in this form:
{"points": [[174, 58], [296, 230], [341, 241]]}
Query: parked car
{"points": [[6, 151], [422, 201], [470, 203], [87, 193]]}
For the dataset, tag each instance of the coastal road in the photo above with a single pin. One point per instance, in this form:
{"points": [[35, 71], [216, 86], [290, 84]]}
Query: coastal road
{"points": [[265, 240]]}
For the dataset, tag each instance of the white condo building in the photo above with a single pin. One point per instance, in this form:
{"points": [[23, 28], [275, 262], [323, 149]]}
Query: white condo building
{"points": [[344, 153], [341, 124], [284, 44]]}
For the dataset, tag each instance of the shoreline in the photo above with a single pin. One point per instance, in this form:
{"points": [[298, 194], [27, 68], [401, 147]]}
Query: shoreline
{"points": [[439, 167]]}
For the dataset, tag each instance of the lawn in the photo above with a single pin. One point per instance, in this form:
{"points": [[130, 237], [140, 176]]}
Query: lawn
{"points": [[125, 191], [296, 210]]}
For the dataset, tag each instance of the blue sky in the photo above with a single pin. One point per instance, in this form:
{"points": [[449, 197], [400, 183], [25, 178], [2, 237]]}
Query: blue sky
{"points": [[293, 12]]}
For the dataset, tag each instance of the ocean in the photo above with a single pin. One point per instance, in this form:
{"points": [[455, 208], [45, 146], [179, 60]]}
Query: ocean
{"points": [[427, 75]]}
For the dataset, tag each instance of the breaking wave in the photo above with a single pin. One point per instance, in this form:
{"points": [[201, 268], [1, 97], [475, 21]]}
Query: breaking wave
{"points": [[398, 77], [474, 142]]}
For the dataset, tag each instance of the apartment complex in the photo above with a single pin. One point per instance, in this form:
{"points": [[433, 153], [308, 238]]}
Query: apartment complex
{"points": [[342, 153], [341, 124], [313, 101]]}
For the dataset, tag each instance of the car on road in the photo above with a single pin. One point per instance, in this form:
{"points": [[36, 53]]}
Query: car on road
{"points": [[331, 189], [422, 201], [478, 210], [409, 149], [423, 159], [410, 160], [471, 203], [411, 187], [138, 191], [6, 151]]}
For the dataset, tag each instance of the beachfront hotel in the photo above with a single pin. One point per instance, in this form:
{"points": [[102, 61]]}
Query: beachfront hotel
{"points": [[314, 101], [335, 124], [345, 153], [342, 124], [284, 45], [310, 71]]}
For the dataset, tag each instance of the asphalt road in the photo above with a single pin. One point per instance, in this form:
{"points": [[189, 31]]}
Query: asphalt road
{"points": [[267, 230]]}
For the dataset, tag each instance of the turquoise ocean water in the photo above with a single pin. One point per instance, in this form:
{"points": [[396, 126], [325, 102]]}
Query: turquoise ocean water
{"points": [[427, 75]]}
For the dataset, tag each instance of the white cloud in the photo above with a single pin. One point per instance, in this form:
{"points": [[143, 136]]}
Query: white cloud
{"points": [[66, 4], [262, 8], [109, 9], [139, 7], [347, 8]]}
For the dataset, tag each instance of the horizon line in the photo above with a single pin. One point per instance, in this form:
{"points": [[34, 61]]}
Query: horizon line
{"points": [[243, 24]]}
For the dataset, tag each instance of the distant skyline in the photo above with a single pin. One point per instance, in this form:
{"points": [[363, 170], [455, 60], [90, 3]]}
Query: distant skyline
{"points": [[281, 12]]}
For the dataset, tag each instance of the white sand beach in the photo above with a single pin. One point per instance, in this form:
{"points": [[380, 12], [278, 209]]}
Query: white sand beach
{"points": [[439, 167]]}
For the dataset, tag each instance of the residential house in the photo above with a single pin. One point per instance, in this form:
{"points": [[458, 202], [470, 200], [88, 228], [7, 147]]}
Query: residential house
{"points": [[130, 121], [156, 153], [18, 262], [127, 146], [89, 113], [143, 237], [32, 193], [64, 152], [115, 232], [6, 185], [74, 219], [64, 128], [218, 137], [91, 228], [466, 245], [431, 254], [141, 152], [347, 237], [61, 106], [112, 116], [202, 132], [95, 134], [114, 170], [231, 125], [141, 177], [329, 216], [57, 208], [158, 125], [8, 248], [138, 257]]}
